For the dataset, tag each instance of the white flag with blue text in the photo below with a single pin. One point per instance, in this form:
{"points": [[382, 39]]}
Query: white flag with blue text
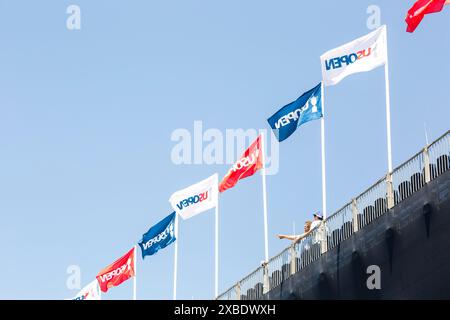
{"points": [[360, 55], [197, 198]]}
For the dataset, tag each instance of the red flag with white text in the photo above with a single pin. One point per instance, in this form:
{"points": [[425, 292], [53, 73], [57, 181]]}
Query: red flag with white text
{"points": [[117, 272], [250, 162]]}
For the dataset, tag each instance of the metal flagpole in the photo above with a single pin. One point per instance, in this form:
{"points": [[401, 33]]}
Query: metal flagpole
{"points": [[322, 138], [134, 280], [388, 108], [263, 172], [175, 260], [216, 274], [426, 133]]}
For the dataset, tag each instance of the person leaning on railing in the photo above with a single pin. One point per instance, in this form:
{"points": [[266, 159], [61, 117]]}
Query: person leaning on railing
{"points": [[308, 228]]}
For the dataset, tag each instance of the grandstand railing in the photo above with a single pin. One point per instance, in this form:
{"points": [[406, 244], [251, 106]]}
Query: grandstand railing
{"points": [[396, 186]]}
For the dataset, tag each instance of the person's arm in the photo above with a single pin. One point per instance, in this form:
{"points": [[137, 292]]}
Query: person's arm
{"points": [[302, 236], [294, 238], [284, 236]]}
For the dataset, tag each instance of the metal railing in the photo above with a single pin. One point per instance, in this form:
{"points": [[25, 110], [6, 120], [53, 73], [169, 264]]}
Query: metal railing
{"points": [[310, 248], [340, 226], [372, 203], [401, 183], [279, 268], [408, 178], [252, 286], [439, 156], [231, 294]]}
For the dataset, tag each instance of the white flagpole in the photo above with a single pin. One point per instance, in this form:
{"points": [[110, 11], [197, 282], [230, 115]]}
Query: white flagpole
{"points": [[388, 108], [322, 139], [175, 260], [216, 251], [426, 133], [263, 173], [135, 273]]}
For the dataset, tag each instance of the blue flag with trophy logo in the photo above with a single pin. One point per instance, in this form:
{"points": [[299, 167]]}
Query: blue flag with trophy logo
{"points": [[159, 236], [306, 108]]}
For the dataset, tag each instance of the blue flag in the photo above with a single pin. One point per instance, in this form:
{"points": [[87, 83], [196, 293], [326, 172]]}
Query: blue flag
{"points": [[306, 108], [159, 236]]}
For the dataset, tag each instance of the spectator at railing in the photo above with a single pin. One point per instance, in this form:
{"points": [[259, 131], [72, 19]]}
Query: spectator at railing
{"points": [[296, 238], [309, 227], [317, 221]]}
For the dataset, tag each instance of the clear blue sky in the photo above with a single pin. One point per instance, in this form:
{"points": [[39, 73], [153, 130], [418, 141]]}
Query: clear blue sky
{"points": [[86, 118]]}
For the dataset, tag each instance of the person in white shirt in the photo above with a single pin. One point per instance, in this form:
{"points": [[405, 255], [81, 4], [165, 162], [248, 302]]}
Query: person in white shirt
{"points": [[317, 221]]}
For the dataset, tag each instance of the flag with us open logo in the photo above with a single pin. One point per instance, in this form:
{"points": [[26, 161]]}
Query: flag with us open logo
{"points": [[360, 55], [306, 108], [197, 198], [159, 236]]}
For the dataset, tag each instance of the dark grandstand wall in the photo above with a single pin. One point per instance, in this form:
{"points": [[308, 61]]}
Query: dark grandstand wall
{"points": [[410, 243]]}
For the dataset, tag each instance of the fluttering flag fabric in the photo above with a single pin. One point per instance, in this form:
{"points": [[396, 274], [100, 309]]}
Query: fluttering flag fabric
{"points": [[360, 55], [250, 162], [197, 198], [117, 272], [89, 292], [306, 108], [159, 236], [420, 9]]}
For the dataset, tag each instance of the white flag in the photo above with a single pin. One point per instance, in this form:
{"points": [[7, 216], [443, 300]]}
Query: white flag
{"points": [[89, 292], [360, 55], [197, 198]]}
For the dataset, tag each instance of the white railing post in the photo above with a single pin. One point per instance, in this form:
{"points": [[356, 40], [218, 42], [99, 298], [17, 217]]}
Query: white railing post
{"points": [[390, 191], [426, 164], [238, 290], [266, 286], [323, 236], [293, 259], [355, 216]]}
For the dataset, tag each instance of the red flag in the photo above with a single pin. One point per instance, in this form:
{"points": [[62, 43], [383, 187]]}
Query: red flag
{"points": [[420, 9], [117, 272], [250, 162]]}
